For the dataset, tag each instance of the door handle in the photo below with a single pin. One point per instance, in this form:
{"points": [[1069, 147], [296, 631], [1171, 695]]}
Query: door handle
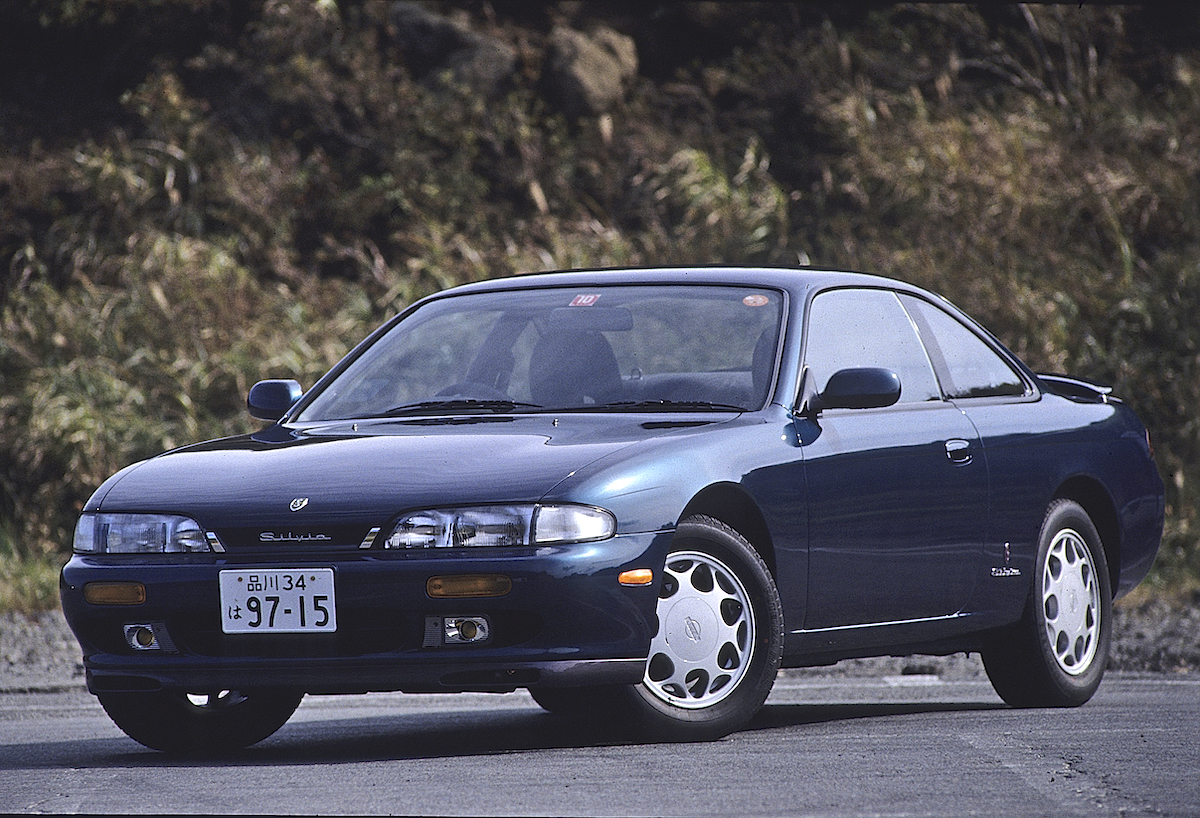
{"points": [[959, 452]]}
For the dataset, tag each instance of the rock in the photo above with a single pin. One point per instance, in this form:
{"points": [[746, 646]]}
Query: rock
{"points": [[588, 74], [38, 653], [437, 49], [1156, 636]]}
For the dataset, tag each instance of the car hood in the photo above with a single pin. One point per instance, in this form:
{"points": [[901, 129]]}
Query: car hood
{"points": [[363, 474]]}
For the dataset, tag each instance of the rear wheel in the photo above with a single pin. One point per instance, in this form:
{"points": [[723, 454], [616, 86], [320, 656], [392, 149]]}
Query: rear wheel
{"points": [[200, 723], [717, 648], [1056, 654]]}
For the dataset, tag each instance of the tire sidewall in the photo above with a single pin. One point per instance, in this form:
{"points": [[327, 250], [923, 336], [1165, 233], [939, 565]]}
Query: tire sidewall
{"points": [[666, 720], [1073, 689]]}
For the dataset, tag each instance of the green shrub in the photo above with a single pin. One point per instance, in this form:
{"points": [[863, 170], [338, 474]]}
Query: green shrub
{"points": [[252, 187]]}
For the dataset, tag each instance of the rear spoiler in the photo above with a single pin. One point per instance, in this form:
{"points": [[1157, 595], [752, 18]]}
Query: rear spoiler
{"points": [[1077, 389]]}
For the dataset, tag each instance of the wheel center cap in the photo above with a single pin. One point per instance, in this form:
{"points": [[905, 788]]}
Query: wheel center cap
{"points": [[691, 629], [1073, 594]]}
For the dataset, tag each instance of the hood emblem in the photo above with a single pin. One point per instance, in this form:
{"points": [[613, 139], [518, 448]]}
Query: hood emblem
{"points": [[298, 503]]}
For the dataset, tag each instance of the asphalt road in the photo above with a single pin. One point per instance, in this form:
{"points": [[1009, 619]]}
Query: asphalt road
{"points": [[823, 746]]}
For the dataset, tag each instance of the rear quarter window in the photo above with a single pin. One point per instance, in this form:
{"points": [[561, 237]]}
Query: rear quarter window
{"points": [[966, 366]]}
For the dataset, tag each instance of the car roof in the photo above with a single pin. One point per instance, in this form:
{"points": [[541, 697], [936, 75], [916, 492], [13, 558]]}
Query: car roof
{"points": [[795, 280]]}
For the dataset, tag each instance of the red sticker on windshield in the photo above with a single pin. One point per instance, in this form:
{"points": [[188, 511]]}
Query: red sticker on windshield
{"points": [[585, 300], [756, 301]]}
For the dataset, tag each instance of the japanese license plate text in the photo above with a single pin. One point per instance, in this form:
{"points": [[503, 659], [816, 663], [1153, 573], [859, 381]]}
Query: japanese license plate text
{"points": [[278, 600]]}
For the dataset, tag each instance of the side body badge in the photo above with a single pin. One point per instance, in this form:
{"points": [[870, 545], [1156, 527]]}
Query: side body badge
{"points": [[1007, 570]]}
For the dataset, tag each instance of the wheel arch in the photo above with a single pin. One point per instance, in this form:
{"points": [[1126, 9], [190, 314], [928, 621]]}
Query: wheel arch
{"points": [[1096, 501], [731, 505]]}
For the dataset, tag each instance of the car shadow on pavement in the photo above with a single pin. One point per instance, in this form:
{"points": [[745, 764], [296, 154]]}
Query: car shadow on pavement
{"points": [[455, 734], [440, 734], [775, 716]]}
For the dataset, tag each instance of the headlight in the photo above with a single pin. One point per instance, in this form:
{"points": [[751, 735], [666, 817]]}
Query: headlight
{"points": [[572, 524], [501, 526], [138, 534]]}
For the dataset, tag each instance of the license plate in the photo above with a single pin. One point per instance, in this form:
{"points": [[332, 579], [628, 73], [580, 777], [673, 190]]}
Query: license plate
{"points": [[278, 600]]}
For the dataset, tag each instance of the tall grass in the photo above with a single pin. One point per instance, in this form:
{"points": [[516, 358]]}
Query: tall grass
{"points": [[28, 582], [250, 200]]}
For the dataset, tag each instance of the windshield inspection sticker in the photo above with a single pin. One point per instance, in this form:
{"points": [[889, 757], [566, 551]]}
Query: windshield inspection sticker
{"points": [[585, 300]]}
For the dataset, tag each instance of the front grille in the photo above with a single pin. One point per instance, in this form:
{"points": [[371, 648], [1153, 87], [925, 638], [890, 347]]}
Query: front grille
{"points": [[299, 538]]}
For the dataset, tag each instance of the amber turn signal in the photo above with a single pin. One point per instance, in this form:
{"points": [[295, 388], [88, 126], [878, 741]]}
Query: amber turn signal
{"points": [[114, 593], [636, 577], [468, 585]]}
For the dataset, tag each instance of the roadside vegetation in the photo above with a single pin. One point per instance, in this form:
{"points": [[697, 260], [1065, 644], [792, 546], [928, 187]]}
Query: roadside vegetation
{"points": [[198, 194]]}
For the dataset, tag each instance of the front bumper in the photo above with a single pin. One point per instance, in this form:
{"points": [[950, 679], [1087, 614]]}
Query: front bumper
{"points": [[567, 621]]}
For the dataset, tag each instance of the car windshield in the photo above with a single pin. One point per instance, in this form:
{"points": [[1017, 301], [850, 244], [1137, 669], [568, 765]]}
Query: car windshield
{"points": [[598, 348]]}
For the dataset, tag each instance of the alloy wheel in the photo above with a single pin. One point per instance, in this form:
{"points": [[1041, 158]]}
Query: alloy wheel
{"points": [[706, 632]]}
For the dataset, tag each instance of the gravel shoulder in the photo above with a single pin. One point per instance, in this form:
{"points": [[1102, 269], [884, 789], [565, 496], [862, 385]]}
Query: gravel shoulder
{"points": [[39, 654]]}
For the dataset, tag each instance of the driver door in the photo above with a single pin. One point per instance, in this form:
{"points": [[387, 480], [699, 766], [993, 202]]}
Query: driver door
{"points": [[897, 496]]}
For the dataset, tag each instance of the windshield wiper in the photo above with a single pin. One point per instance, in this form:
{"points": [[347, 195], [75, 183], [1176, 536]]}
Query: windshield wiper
{"points": [[457, 405], [669, 406]]}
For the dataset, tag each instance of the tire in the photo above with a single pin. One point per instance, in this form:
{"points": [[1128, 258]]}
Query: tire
{"points": [[717, 648], [200, 724], [1056, 654]]}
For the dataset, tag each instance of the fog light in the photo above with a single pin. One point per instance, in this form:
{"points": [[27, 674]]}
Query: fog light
{"points": [[463, 629], [114, 593], [141, 637], [149, 636]]}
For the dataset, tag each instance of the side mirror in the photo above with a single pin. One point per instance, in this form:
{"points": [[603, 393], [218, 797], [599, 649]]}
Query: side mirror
{"points": [[861, 388], [270, 400]]}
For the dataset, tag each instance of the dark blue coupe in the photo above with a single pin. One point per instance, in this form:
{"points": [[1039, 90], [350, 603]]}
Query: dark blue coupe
{"points": [[636, 493]]}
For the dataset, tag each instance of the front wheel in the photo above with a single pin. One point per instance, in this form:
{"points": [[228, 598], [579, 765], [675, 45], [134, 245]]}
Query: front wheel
{"points": [[200, 723], [719, 639], [716, 650], [1056, 654]]}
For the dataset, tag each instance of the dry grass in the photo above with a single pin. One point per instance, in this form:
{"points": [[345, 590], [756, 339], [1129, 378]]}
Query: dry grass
{"points": [[251, 206]]}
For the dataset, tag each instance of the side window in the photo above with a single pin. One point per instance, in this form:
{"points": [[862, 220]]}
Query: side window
{"points": [[968, 367], [857, 328]]}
